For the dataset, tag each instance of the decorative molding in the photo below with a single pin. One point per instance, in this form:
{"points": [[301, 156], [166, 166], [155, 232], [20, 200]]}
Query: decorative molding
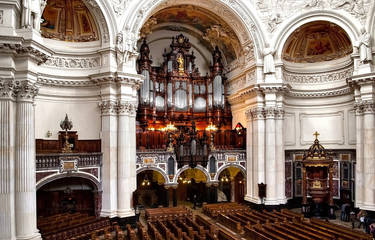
{"points": [[7, 88], [300, 78], [119, 6], [108, 107], [256, 113], [323, 93], [127, 108], [26, 91], [74, 63], [94, 7], [22, 50], [333, 121], [1, 16], [22, 90], [274, 12]]}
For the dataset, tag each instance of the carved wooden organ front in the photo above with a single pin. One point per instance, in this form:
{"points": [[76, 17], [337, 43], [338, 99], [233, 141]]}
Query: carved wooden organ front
{"points": [[175, 92]]}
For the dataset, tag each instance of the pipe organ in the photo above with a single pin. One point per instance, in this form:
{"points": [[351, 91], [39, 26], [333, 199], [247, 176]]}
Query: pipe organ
{"points": [[177, 92]]}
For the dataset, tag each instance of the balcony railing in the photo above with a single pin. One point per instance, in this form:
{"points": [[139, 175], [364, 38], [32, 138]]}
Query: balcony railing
{"points": [[52, 161]]}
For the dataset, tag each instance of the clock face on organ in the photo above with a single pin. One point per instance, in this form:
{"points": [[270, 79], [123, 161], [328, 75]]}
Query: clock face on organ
{"points": [[176, 92]]}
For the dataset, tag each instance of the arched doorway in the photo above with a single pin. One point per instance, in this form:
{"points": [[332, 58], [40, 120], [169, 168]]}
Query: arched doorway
{"points": [[231, 185], [69, 194], [150, 189], [191, 187]]}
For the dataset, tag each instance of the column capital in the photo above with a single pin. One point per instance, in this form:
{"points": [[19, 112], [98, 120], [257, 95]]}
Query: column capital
{"points": [[280, 113], [108, 107], [270, 112], [127, 108], [26, 90], [255, 113], [7, 88], [364, 107]]}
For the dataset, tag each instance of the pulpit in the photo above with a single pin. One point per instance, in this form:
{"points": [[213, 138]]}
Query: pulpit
{"points": [[317, 168]]}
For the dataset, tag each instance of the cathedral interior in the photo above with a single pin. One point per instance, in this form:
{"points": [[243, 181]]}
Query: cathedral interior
{"points": [[166, 119]]}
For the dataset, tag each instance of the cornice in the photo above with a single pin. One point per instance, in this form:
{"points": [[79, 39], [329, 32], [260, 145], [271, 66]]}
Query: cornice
{"points": [[323, 93], [361, 79]]}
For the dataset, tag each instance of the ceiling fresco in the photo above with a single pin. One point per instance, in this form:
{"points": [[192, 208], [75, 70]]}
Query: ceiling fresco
{"points": [[68, 20], [213, 30], [317, 42]]}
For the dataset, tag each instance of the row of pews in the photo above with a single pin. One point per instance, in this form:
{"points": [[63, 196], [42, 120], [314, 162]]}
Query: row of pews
{"points": [[78, 226], [277, 225]]}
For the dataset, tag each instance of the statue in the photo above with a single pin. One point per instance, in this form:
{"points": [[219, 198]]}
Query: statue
{"points": [[120, 49], [180, 61], [268, 64], [26, 14], [364, 47]]}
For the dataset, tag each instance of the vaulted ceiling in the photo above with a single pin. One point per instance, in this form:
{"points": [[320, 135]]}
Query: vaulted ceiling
{"points": [[68, 20], [203, 24], [317, 42]]}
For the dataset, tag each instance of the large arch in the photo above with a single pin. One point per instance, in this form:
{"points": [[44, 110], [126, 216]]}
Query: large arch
{"points": [[239, 15], [242, 169], [139, 170], [57, 176], [186, 167], [104, 17], [350, 25], [370, 24]]}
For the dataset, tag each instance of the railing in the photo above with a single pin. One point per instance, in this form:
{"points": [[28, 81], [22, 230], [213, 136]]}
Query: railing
{"points": [[52, 161]]}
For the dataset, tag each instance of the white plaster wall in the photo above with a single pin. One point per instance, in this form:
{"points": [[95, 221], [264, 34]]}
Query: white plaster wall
{"points": [[81, 105], [335, 122]]}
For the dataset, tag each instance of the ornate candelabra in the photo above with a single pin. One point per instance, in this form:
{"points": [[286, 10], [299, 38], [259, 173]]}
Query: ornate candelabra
{"points": [[66, 125]]}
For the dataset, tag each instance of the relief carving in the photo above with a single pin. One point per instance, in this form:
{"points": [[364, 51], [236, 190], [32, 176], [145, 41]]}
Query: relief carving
{"points": [[79, 63], [274, 12]]}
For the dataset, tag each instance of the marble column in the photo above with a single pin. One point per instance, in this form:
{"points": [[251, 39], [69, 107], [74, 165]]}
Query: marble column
{"points": [[280, 157], [359, 156], [256, 156], [109, 149], [271, 198], [7, 138], [232, 190], [368, 189], [25, 190], [126, 158]]}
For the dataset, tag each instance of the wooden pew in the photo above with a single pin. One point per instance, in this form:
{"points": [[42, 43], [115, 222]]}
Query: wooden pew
{"points": [[252, 234], [223, 235], [206, 224], [355, 234], [287, 236], [230, 223]]}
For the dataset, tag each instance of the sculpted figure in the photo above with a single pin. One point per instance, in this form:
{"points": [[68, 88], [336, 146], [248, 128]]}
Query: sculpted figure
{"points": [[26, 14], [268, 65], [364, 46], [120, 49]]}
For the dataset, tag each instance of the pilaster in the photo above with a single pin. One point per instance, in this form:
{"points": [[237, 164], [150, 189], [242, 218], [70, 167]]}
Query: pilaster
{"points": [[109, 149], [25, 190], [7, 148], [365, 125]]}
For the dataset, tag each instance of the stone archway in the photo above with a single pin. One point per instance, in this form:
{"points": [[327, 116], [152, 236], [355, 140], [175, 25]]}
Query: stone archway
{"points": [[68, 193]]}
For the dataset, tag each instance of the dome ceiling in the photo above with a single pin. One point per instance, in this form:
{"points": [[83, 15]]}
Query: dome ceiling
{"points": [[68, 20], [317, 42], [212, 29]]}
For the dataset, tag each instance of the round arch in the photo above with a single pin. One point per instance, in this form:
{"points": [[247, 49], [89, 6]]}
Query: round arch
{"points": [[344, 20], [239, 15], [101, 11], [370, 24], [154, 169], [57, 176], [186, 167], [242, 169]]}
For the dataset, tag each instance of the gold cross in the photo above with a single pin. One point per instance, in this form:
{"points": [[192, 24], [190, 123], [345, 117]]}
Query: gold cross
{"points": [[316, 134]]}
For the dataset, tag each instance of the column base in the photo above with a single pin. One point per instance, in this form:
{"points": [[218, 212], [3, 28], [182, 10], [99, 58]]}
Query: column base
{"points": [[126, 220], [108, 213], [367, 206], [275, 201], [35, 236], [125, 213], [254, 200]]}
